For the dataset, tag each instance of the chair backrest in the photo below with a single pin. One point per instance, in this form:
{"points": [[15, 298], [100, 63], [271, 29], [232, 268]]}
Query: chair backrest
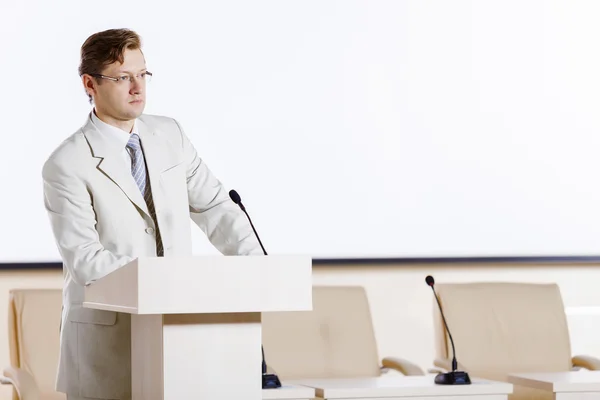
{"points": [[334, 340], [34, 323], [499, 328]]}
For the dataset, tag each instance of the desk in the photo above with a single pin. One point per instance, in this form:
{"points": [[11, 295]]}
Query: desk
{"points": [[405, 388], [580, 385], [289, 392]]}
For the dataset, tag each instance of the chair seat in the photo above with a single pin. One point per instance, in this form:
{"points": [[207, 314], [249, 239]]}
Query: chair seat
{"points": [[504, 327], [34, 325], [335, 339]]}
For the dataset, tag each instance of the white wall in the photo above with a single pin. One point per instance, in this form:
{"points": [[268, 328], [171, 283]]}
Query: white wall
{"points": [[401, 303]]}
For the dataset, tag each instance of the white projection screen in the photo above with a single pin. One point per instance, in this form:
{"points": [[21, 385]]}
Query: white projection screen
{"points": [[351, 129]]}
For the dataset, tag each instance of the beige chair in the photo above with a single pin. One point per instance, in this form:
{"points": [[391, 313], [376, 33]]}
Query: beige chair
{"points": [[499, 328], [334, 340], [33, 323]]}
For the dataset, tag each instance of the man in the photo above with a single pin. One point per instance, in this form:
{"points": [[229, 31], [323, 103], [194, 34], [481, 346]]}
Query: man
{"points": [[124, 186]]}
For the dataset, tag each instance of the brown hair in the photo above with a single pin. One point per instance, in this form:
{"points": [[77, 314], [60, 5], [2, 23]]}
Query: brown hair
{"points": [[106, 47]]}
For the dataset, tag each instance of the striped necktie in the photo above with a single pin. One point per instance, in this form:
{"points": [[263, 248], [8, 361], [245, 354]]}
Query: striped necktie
{"points": [[140, 175]]}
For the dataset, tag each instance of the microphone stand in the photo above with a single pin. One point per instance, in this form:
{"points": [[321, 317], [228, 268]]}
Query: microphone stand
{"points": [[269, 381], [453, 377]]}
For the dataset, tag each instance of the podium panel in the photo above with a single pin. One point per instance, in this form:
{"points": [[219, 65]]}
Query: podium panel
{"points": [[213, 356]]}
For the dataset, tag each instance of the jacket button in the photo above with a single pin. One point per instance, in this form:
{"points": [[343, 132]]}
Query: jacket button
{"points": [[150, 231]]}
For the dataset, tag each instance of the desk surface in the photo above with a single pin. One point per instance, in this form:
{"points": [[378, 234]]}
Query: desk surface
{"points": [[400, 386], [289, 392], [571, 381]]}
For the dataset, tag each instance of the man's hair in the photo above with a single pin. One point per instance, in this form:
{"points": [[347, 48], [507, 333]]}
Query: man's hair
{"points": [[106, 47]]}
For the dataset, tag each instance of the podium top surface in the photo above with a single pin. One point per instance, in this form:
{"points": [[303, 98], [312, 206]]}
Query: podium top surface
{"points": [[400, 386], [568, 381], [205, 284], [289, 392]]}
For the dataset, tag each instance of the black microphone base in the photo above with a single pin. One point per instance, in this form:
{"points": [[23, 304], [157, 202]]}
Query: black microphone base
{"points": [[453, 378], [270, 381]]}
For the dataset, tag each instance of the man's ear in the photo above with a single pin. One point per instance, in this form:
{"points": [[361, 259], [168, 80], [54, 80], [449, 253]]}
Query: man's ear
{"points": [[89, 84]]}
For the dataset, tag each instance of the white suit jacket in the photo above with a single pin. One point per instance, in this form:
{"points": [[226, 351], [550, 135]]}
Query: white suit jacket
{"points": [[101, 222]]}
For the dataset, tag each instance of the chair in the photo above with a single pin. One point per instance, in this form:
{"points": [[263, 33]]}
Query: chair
{"points": [[33, 323], [502, 328], [334, 340]]}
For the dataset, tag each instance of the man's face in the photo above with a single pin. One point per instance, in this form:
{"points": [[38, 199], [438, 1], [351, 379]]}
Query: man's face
{"points": [[123, 100]]}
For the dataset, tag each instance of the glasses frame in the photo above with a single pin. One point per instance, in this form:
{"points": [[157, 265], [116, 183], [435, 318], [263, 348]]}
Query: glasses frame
{"points": [[119, 80]]}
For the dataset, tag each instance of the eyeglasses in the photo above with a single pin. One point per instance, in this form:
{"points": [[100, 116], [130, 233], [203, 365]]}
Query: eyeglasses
{"points": [[127, 79]]}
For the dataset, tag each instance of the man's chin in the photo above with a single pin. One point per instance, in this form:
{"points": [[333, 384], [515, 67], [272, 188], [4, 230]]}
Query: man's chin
{"points": [[135, 112]]}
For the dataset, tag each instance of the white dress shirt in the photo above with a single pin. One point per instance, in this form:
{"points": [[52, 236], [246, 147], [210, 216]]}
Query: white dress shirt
{"points": [[116, 134]]}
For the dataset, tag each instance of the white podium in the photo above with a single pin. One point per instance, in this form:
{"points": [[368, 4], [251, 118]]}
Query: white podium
{"points": [[196, 321]]}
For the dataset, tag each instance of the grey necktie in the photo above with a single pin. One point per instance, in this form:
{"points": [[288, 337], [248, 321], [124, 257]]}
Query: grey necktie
{"points": [[139, 173]]}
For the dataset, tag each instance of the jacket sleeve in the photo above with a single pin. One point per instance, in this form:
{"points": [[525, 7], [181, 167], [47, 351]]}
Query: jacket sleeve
{"points": [[69, 206], [225, 225]]}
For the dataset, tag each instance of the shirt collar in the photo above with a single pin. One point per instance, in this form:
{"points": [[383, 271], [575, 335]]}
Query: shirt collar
{"points": [[112, 132]]}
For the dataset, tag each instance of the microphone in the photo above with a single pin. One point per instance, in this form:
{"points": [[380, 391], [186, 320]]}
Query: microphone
{"points": [[235, 197], [454, 377], [269, 381]]}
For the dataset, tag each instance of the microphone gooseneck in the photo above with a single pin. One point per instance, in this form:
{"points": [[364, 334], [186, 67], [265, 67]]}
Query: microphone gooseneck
{"points": [[269, 381], [453, 377], [430, 282], [235, 197]]}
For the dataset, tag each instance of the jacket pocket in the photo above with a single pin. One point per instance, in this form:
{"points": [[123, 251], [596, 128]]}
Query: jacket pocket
{"points": [[90, 316], [171, 167]]}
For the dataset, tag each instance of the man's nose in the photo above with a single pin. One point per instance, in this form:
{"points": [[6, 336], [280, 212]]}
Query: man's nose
{"points": [[136, 86]]}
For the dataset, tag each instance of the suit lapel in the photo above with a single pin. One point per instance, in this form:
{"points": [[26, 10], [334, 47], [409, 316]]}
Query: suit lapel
{"points": [[158, 151], [159, 156], [112, 165]]}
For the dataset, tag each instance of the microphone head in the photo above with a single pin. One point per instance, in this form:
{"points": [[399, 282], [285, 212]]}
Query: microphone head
{"points": [[429, 280], [235, 197]]}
